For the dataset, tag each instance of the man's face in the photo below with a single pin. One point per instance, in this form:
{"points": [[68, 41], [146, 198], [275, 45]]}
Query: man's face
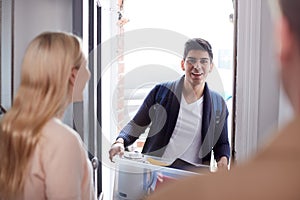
{"points": [[197, 65]]}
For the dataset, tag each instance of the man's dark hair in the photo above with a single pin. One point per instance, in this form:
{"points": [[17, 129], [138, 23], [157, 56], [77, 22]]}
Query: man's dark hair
{"points": [[197, 44], [290, 9]]}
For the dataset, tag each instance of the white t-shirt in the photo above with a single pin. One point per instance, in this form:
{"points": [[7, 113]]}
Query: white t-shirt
{"points": [[186, 138]]}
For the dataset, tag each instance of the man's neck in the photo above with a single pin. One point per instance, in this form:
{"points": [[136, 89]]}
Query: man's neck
{"points": [[192, 93]]}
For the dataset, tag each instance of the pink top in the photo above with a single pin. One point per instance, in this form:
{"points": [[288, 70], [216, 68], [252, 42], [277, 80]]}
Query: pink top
{"points": [[59, 168]]}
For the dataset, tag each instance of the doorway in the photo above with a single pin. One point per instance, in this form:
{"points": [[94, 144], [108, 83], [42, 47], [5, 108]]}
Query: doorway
{"points": [[142, 45]]}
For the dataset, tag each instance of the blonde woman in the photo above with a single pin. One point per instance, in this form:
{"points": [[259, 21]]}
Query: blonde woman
{"points": [[42, 158]]}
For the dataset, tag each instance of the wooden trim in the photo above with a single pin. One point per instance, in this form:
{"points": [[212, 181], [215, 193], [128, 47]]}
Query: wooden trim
{"points": [[0, 52], [233, 122]]}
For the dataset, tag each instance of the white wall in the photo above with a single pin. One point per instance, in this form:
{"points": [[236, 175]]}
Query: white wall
{"points": [[6, 50], [109, 80], [261, 104], [33, 17], [269, 84]]}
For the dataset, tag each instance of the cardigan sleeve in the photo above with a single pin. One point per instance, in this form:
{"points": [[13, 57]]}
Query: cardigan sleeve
{"points": [[222, 147], [135, 127]]}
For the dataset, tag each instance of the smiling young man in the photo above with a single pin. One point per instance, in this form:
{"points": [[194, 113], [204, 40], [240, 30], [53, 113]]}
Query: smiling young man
{"points": [[274, 172], [187, 120]]}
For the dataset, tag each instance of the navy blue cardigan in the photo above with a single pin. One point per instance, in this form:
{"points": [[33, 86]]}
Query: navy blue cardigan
{"points": [[159, 112]]}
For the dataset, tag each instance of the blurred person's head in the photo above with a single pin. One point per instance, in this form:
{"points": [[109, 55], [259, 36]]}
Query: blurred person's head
{"points": [[288, 29], [197, 61], [53, 75]]}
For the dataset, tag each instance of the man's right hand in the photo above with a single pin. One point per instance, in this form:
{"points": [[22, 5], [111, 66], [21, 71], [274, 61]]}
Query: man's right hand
{"points": [[116, 148]]}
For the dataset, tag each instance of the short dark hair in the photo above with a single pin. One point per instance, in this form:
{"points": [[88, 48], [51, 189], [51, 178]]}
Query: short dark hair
{"points": [[290, 9], [197, 44]]}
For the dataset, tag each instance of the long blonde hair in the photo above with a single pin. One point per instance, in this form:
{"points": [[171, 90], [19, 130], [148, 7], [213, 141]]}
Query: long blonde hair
{"points": [[44, 92]]}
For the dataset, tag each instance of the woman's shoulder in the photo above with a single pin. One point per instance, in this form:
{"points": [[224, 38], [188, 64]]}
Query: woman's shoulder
{"points": [[58, 132], [59, 141]]}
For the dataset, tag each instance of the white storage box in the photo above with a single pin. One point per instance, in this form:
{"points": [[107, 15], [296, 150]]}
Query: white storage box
{"points": [[136, 177]]}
